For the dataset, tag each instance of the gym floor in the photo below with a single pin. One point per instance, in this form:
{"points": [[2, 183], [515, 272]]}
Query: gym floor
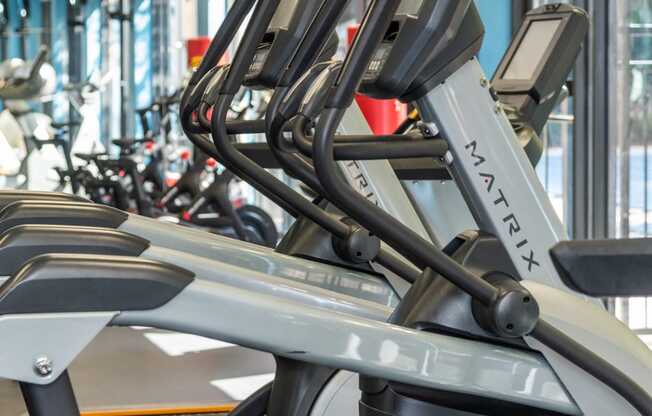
{"points": [[144, 368]]}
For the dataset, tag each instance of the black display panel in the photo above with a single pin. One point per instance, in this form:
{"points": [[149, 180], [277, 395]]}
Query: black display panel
{"points": [[531, 49]]}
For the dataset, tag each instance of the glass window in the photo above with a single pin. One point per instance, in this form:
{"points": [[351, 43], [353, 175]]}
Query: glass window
{"points": [[631, 87], [556, 162]]}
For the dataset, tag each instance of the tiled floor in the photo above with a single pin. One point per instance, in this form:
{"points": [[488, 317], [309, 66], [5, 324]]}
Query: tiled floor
{"points": [[135, 368]]}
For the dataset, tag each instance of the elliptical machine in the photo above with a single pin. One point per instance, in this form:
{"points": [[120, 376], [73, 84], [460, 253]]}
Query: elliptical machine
{"points": [[432, 367]]}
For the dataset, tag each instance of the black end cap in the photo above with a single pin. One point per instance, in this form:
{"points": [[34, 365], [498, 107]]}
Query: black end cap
{"points": [[60, 213], [21, 243], [360, 246], [66, 283], [514, 313]]}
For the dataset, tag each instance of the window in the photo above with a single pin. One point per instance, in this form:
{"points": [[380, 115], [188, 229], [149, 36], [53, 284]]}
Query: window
{"points": [[631, 88], [556, 162]]}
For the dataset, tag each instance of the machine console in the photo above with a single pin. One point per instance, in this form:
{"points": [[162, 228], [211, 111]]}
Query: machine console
{"points": [[535, 68]]}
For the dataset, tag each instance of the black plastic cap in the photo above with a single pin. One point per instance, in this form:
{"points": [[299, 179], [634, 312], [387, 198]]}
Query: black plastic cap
{"points": [[60, 283], [514, 312], [605, 268], [23, 242], [60, 213], [9, 197]]}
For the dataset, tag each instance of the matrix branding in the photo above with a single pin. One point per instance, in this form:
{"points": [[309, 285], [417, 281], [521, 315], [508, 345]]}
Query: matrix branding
{"points": [[358, 180], [500, 200]]}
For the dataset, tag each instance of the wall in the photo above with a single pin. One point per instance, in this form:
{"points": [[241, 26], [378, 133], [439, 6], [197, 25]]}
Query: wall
{"points": [[497, 18]]}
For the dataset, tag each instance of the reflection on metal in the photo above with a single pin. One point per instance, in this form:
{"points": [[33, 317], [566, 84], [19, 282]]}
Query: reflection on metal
{"points": [[328, 288], [176, 345], [361, 345], [239, 388]]}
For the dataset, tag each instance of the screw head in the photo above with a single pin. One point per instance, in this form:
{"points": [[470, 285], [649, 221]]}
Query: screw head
{"points": [[43, 366], [498, 108], [448, 158], [484, 82]]}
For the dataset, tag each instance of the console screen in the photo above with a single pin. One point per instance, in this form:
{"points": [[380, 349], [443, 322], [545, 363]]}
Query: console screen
{"points": [[531, 50]]}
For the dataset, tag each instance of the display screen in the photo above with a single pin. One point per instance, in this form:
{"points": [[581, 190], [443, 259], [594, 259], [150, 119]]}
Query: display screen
{"points": [[531, 50], [409, 7], [284, 13]]}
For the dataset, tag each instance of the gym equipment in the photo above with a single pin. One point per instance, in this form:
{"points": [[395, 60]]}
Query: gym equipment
{"points": [[212, 208], [498, 182], [427, 368], [21, 82], [342, 243], [122, 182]]}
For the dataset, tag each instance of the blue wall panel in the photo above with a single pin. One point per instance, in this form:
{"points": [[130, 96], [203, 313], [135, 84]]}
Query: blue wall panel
{"points": [[142, 57], [59, 57], [497, 18]]}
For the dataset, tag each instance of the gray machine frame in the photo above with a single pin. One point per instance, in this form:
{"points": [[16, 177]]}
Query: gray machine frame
{"points": [[318, 329], [340, 339], [507, 199]]}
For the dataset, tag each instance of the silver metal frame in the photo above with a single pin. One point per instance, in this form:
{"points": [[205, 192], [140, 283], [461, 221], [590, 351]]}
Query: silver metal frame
{"points": [[497, 180], [252, 298], [329, 288], [376, 180], [290, 329], [250, 265], [506, 198]]}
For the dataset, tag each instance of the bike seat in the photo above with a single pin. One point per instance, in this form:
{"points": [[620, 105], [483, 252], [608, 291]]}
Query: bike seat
{"points": [[87, 157], [606, 268], [128, 144], [65, 125]]}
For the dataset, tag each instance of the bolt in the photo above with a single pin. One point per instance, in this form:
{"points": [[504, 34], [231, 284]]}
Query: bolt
{"points": [[448, 158], [497, 108], [43, 366], [484, 82]]}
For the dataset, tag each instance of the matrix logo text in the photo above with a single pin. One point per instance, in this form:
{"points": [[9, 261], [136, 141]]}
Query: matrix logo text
{"points": [[510, 219]]}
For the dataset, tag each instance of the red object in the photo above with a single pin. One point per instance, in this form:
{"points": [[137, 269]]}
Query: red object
{"points": [[383, 116], [238, 203], [186, 216], [149, 146], [211, 163], [170, 182], [185, 154], [197, 47]]}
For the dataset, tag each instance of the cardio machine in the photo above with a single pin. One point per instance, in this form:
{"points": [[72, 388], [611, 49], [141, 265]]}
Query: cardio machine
{"points": [[530, 104], [408, 357], [20, 126], [483, 155]]}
